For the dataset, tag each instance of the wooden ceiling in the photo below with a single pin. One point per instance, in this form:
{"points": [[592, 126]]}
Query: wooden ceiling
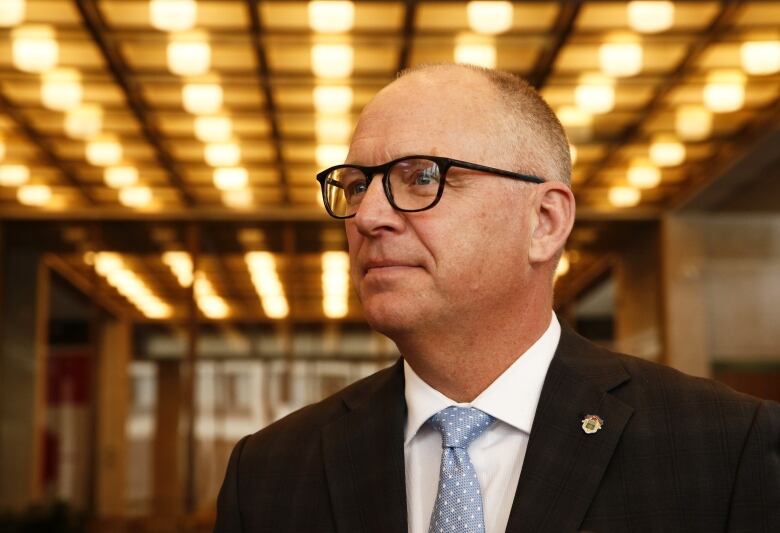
{"points": [[261, 57]]}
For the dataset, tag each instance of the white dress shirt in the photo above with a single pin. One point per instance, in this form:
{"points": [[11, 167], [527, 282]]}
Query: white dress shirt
{"points": [[497, 454]]}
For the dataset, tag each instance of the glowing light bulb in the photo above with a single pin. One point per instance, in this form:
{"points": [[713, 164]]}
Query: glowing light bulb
{"points": [[489, 17], [643, 175], [201, 98], [667, 151], [35, 48], [119, 177], [331, 16], [222, 154], [332, 99], [693, 122], [11, 12], [761, 57], [595, 93], [624, 196], [173, 15], [650, 17], [328, 155], [104, 151], [136, 197], [34, 195], [475, 50], [189, 53], [61, 89], [213, 128], [724, 91], [621, 58], [332, 60], [14, 175], [84, 121], [230, 178]]}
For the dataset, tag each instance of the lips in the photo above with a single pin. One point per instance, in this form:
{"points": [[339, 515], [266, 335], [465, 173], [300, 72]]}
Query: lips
{"points": [[385, 263]]}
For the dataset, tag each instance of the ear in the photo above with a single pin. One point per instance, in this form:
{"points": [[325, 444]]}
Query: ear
{"points": [[554, 210]]}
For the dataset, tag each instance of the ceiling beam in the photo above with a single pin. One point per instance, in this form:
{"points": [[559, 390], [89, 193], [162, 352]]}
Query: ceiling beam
{"points": [[44, 147], [263, 74], [719, 25], [97, 29], [561, 31], [407, 34]]}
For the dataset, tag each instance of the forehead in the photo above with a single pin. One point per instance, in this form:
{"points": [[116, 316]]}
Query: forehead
{"points": [[451, 113]]}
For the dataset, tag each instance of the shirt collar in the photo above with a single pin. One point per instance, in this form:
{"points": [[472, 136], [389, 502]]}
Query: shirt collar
{"points": [[511, 398]]}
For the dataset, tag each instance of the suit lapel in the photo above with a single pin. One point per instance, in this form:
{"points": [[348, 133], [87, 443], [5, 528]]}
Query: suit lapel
{"points": [[563, 465], [364, 459]]}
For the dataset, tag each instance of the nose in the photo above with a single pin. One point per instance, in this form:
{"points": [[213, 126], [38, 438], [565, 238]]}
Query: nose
{"points": [[375, 215]]}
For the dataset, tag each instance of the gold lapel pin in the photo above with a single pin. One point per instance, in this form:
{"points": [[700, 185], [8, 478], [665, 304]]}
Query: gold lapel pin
{"points": [[591, 424]]}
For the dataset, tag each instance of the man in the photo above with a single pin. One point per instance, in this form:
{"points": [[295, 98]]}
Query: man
{"points": [[497, 418]]}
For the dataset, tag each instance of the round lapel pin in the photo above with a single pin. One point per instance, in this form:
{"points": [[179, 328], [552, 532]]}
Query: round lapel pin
{"points": [[591, 424]]}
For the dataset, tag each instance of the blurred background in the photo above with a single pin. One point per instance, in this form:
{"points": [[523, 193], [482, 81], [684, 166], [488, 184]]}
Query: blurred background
{"points": [[169, 281]]}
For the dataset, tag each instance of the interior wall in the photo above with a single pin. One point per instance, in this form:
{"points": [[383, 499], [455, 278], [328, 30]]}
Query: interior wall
{"points": [[721, 289]]}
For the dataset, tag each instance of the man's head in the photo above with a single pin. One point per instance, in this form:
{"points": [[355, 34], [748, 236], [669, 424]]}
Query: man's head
{"points": [[487, 251]]}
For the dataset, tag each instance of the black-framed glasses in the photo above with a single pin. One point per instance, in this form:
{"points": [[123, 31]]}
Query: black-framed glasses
{"points": [[411, 183]]}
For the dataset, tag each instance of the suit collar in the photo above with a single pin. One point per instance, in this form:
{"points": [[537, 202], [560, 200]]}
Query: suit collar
{"points": [[563, 465], [364, 456]]}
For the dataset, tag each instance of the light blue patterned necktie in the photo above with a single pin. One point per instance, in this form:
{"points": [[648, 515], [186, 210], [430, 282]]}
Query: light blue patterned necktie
{"points": [[458, 506]]}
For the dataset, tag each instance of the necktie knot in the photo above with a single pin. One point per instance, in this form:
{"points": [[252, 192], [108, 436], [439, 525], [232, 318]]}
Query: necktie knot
{"points": [[460, 426]]}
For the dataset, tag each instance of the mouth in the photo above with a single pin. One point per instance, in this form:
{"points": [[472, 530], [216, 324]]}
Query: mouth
{"points": [[386, 266]]}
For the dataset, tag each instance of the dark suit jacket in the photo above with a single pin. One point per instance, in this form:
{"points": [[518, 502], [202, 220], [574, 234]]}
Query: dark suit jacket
{"points": [[676, 453]]}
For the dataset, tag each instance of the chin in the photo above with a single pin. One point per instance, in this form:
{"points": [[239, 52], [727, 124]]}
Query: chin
{"points": [[392, 318]]}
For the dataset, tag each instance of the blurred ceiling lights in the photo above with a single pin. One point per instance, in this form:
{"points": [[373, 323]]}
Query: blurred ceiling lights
{"points": [[650, 17], [103, 151], [230, 178], [643, 175], [693, 122], [335, 284], [621, 56], [490, 17], [262, 270], [332, 98], [573, 154], [595, 93], [667, 151], [724, 91], [210, 304], [11, 12], [173, 15], [222, 154], [332, 60], [760, 58], [14, 175], [120, 177], [61, 89], [202, 98], [112, 267], [35, 48], [624, 196], [34, 195], [84, 122], [238, 198], [474, 49], [331, 16], [328, 155], [181, 266], [213, 128], [189, 53], [136, 197]]}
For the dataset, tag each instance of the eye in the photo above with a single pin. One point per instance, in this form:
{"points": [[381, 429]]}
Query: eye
{"points": [[355, 188], [427, 176]]}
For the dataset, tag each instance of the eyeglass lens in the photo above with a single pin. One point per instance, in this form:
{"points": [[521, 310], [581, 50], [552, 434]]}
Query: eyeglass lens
{"points": [[413, 184]]}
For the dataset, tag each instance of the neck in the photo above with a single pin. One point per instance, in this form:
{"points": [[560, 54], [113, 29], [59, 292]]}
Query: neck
{"points": [[464, 360]]}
